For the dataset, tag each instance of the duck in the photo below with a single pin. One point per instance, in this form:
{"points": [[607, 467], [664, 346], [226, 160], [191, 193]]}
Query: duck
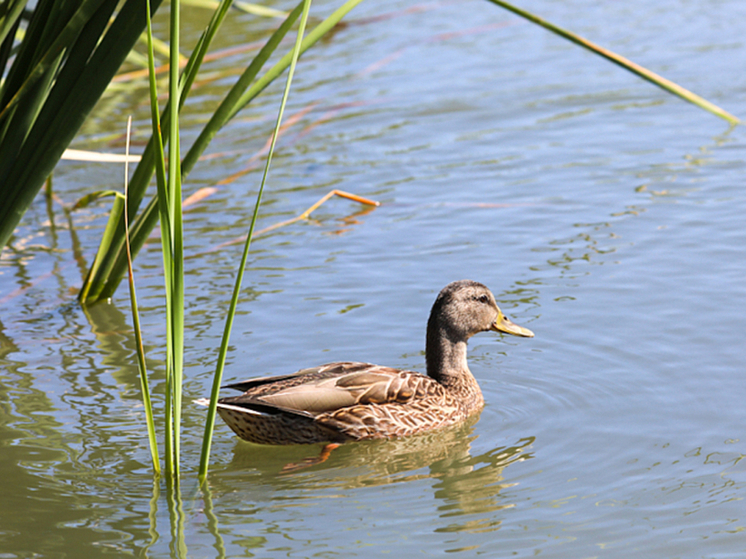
{"points": [[347, 401]]}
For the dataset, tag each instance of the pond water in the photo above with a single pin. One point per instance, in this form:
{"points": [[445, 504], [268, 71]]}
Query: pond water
{"points": [[605, 215]]}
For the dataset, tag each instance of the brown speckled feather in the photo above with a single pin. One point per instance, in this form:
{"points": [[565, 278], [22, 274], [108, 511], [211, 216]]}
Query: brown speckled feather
{"points": [[345, 401]]}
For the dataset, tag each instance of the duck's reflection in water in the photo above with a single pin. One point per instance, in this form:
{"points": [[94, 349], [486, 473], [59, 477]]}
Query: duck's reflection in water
{"points": [[465, 484]]}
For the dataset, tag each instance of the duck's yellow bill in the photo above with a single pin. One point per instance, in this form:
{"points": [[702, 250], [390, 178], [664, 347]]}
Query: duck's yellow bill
{"points": [[502, 324]]}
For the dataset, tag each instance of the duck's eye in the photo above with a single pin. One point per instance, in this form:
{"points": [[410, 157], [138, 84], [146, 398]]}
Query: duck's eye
{"points": [[483, 299]]}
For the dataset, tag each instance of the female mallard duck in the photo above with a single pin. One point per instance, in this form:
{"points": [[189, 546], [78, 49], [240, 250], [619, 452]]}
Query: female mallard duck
{"points": [[340, 402]]}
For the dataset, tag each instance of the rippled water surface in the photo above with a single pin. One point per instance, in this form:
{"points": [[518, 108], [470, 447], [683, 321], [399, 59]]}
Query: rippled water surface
{"points": [[606, 215]]}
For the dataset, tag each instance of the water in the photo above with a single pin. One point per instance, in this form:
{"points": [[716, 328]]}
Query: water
{"points": [[605, 215]]}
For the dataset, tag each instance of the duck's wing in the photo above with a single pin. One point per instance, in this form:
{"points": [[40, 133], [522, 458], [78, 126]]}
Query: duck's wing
{"points": [[332, 387], [299, 377]]}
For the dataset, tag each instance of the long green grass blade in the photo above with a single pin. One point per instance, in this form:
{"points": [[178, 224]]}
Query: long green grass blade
{"points": [[218, 377], [644, 73], [144, 387], [169, 188], [166, 229], [175, 290]]}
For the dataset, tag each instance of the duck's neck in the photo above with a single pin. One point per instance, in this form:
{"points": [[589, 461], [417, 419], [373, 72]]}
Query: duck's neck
{"points": [[446, 363]]}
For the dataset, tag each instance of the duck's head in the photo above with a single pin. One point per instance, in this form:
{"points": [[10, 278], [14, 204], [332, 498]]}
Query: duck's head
{"points": [[464, 308]]}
